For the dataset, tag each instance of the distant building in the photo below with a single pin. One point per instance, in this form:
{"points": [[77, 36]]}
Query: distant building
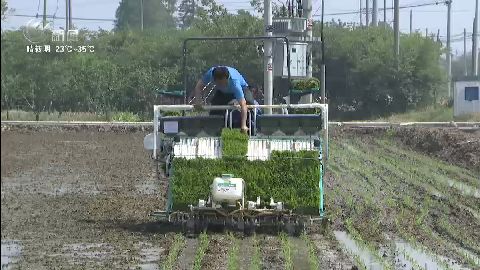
{"points": [[466, 99]]}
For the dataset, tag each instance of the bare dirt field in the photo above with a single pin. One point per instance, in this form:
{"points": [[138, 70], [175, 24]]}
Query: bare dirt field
{"points": [[80, 199]]}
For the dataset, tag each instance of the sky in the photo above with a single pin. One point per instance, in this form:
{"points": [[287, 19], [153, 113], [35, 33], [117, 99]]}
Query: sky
{"points": [[426, 17]]}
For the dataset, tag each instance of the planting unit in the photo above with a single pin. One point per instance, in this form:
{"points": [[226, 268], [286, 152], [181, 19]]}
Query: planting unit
{"points": [[219, 178]]}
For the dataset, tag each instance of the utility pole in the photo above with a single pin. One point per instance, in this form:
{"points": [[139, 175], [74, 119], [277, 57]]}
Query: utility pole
{"points": [[367, 7], [385, 13], [70, 24], [361, 12], [475, 42], [411, 21], [322, 66], [374, 13], [465, 73], [308, 14], [396, 27], [268, 60], [66, 20], [44, 13], [426, 32], [141, 15], [449, 53], [438, 35]]}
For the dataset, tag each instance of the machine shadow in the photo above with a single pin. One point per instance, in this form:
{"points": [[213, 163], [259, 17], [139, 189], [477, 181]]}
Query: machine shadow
{"points": [[149, 227], [165, 227]]}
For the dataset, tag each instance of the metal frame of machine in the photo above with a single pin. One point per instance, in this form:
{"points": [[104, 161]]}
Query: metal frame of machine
{"points": [[185, 42], [249, 216]]}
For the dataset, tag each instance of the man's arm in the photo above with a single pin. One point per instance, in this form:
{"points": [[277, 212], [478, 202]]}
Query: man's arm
{"points": [[240, 97], [243, 107]]}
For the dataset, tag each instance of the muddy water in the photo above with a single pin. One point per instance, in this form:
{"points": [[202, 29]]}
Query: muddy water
{"points": [[149, 256], [330, 254], [465, 189], [86, 252], [409, 257], [352, 247], [11, 253], [24, 184]]}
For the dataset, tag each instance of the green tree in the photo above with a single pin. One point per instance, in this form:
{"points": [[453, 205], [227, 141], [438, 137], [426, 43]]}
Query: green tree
{"points": [[186, 11], [155, 15], [363, 80], [129, 68], [277, 9], [4, 8]]}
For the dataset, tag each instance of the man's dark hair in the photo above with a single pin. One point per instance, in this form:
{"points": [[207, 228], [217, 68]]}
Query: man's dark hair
{"points": [[220, 73]]}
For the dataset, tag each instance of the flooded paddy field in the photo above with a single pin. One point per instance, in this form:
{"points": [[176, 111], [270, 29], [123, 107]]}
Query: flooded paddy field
{"points": [[396, 199]]}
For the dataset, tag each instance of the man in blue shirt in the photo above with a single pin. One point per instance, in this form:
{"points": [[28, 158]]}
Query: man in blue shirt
{"points": [[229, 85]]}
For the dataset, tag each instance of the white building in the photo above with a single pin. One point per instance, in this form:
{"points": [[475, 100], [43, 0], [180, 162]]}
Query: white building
{"points": [[466, 99]]}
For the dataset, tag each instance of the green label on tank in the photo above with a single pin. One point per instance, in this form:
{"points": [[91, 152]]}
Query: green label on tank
{"points": [[226, 185]]}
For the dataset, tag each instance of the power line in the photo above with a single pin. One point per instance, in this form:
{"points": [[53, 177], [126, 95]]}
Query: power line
{"points": [[56, 9], [441, 11], [390, 8], [38, 7], [73, 18], [248, 9]]}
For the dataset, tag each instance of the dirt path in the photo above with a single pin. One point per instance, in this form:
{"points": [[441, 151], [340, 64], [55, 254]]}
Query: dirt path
{"points": [[216, 254], [331, 254], [245, 253], [300, 254], [271, 249], [187, 256], [451, 145]]}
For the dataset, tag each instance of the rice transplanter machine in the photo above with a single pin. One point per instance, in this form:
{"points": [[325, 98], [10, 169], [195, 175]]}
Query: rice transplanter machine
{"points": [[227, 208]]}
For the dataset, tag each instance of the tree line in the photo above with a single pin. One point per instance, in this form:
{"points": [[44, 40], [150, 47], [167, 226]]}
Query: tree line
{"points": [[129, 69]]}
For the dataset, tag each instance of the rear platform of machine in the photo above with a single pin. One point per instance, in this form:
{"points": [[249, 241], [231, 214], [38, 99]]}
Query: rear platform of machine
{"points": [[226, 207]]}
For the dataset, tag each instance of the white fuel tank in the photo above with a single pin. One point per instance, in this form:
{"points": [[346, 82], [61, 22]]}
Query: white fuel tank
{"points": [[227, 189]]}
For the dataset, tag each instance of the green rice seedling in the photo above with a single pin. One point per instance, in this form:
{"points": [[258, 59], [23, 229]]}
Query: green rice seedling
{"points": [[202, 248], [287, 251], [234, 143], [125, 117], [312, 253], [256, 263], [288, 177], [233, 260], [178, 243]]}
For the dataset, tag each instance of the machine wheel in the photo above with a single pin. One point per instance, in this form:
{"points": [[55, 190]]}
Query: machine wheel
{"points": [[249, 227], [202, 225], [240, 225], [290, 228], [301, 227], [190, 227]]}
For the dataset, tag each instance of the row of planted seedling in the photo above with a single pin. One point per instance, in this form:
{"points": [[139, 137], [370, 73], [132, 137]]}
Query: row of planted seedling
{"points": [[370, 176], [234, 252], [179, 244]]}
